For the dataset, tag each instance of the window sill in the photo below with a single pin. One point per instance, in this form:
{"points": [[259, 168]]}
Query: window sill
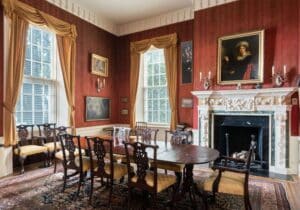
{"points": [[158, 126]]}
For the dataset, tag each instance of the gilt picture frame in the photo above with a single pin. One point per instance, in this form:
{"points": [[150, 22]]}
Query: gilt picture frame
{"points": [[97, 108], [99, 65], [240, 58]]}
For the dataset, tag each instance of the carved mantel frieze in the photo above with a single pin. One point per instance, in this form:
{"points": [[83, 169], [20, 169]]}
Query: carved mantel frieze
{"points": [[244, 100]]}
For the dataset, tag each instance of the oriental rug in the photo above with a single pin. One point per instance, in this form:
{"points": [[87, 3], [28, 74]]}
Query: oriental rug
{"points": [[41, 189]]}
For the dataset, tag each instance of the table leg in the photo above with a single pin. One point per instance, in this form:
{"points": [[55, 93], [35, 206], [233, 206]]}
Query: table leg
{"points": [[188, 186]]}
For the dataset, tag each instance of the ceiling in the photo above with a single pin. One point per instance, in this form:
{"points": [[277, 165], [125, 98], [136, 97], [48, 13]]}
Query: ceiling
{"points": [[126, 11]]}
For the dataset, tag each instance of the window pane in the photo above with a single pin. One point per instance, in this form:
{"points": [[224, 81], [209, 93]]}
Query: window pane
{"points": [[162, 68], [46, 119], [27, 68], [150, 69], [156, 80], [162, 80], [149, 102], [36, 53], [27, 103], [46, 40], [36, 69], [155, 105], [150, 80], [27, 88], [18, 106], [162, 116], [46, 55], [38, 103], [28, 52], [46, 89], [38, 117], [47, 71], [156, 68], [36, 37], [27, 117], [46, 103], [155, 93], [18, 117], [155, 117], [38, 89]]}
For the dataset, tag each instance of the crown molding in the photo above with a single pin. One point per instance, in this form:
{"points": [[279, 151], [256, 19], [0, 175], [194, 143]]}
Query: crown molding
{"points": [[204, 4], [157, 21], [140, 25], [85, 14]]}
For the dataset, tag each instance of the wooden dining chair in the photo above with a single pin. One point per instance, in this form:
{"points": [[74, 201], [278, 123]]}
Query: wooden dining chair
{"points": [[232, 177], [28, 145], [72, 159], [102, 163], [57, 146], [143, 178]]}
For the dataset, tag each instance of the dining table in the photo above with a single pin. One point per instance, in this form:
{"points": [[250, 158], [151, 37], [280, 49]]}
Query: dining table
{"points": [[187, 154]]}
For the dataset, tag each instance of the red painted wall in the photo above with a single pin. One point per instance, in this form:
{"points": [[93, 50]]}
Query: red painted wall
{"points": [[90, 39], [279, 19], [184, 32]]}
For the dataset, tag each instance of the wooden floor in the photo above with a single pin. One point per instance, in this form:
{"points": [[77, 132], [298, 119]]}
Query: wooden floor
{"points": [[292, 187], [293, 192]]}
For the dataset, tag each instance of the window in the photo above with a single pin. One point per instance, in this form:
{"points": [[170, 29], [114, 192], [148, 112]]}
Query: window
{"points": [[37, 100], [155, 94]]}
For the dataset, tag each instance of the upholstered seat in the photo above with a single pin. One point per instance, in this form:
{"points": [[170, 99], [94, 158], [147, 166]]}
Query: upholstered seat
{"points": [[51, 146], [120, 170], [86, 164], [28, 150], [230, 182], [163, 180]]}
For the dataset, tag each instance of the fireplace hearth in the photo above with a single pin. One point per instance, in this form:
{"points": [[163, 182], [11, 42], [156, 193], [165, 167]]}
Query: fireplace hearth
{"points": [[232, 136]]}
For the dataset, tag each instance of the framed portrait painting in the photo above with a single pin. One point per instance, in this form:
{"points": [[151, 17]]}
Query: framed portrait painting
{"points": [[186, 62], [99, 65], [240, 58], [97, 108]]}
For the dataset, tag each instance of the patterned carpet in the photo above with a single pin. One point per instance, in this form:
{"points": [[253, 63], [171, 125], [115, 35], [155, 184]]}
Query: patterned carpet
{"points": [[41, 189]]}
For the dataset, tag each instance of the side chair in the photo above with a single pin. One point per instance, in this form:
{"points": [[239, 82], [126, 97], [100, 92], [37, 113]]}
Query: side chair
{"points": [[28, 145], [73, 159], [231, 178], [143, 178], [102, 163]]}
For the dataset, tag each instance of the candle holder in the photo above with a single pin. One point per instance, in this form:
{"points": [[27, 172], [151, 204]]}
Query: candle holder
{"points": [[206, 80], [279, 78], [100, 84]]}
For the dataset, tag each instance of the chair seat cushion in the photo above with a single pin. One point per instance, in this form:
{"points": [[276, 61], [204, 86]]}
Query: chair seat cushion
{"points": [[168, 166], [230, 183], [59, 155], [50, 146], [30, 150], [86, 163], [163, 180], [120, 170]]}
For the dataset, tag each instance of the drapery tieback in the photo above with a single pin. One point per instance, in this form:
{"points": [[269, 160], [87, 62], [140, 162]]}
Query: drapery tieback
{"points": [[72, 108], [7, 108]]}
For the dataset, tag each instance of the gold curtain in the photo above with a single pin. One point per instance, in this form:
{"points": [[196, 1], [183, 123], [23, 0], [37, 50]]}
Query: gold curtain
{"points": [[66, 35], [14, 76], [169, 44]]}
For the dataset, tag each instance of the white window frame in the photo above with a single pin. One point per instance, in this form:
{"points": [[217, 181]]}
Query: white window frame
{"points": [[141, 106]]}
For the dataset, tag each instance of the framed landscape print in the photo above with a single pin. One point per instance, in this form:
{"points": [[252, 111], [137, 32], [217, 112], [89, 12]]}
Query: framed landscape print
{"points": [[97, 108], [186, 62], [99, 65], [240, 58]]}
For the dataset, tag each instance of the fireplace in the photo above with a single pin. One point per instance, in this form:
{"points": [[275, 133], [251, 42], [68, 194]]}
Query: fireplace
{"points": [[268, 112], [232, 134]]}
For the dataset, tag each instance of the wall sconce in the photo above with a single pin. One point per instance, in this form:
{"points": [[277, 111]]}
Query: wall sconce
{"points": [[206, 80], [279, 78], [100, 84]]}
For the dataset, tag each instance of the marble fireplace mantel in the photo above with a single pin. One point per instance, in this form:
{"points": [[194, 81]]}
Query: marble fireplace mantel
{"points": [[274, 102]]}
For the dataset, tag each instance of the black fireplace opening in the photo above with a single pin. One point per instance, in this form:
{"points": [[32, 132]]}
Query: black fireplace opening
{"points": [[232, 135]]}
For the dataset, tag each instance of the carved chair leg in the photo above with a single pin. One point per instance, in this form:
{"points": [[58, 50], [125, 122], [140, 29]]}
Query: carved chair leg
{"points": [[55, 162], [79, 183], [178, 179], [21, 160], [92, 188], [110, 192], [129, 197], [65, 179], [247, 202]]}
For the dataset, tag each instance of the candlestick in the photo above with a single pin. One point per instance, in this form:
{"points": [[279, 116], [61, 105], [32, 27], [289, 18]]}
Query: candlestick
{"points": [[200, 76], [209, 75], [273, 70], [284, 70]]}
